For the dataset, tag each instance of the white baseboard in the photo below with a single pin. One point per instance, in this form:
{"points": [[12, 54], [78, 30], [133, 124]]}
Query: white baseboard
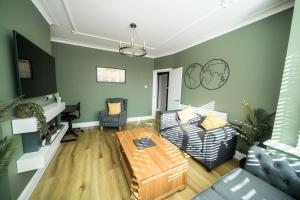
{"points": [[239, 156], [143, 118], [96, 123], [85, 124]]}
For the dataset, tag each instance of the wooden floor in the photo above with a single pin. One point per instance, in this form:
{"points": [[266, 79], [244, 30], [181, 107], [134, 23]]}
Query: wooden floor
{"points": [[89, 168]]}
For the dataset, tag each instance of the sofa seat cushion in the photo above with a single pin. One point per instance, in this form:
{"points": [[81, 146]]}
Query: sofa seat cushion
{"points": [[208, 194], [240, 184]]}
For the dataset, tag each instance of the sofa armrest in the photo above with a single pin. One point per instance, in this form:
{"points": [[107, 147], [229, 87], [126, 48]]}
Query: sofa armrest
{"points": [[123, 117], [168, 119], [275, 169]]}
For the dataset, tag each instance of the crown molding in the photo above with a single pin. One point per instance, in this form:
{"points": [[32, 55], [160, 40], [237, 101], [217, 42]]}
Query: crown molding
{"points": [[45, 11], [274, 9], [84, 44], [75, 30]]}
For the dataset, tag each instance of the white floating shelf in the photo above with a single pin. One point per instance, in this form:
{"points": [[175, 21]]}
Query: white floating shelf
{"points": [[41, 158], [29, 124]]}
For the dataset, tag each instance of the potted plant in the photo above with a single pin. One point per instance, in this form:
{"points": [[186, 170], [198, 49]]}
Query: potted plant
{"points": [[257, 127], [7, 145], [30, 109]]}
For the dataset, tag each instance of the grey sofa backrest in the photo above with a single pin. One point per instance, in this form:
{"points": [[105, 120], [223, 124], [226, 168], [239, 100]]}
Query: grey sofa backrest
{"points": [[275, 169]]}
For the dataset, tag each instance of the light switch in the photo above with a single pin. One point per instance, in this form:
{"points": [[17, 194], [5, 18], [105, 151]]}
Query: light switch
{"points": [[146, 86]]}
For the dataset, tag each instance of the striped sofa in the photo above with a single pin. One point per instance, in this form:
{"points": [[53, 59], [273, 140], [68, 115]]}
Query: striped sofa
{"points": [[210, 148]]}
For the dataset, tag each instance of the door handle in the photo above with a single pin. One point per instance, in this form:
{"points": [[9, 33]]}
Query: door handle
{"points": [[176, 100]]}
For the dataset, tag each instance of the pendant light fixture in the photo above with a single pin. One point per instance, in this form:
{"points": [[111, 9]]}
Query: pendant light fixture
{"points": [[132, 49]]}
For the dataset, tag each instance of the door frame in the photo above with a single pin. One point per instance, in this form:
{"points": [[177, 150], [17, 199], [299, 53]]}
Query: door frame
{"points": [[159, 74], [154, 88]]}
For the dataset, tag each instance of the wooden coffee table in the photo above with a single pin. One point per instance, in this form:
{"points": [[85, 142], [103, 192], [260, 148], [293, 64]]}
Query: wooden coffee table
{"points": [[154, 172]]}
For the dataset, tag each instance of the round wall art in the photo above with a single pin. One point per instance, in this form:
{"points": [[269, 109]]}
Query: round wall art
{"points": [[192, 76], [213, 75]]}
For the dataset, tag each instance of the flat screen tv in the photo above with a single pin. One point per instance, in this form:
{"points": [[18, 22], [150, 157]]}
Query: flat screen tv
{"points": [[35, 68]]}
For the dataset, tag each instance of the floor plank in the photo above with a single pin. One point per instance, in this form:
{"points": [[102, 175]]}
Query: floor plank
{"points": [[89, 168]]}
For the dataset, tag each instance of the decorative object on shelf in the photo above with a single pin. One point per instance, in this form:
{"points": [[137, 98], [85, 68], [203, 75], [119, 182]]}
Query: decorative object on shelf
{"points": [[213, 75], [257, 127], [30, 109], [111, 75], [192, 76], [7, 145], [132, 50], [57, 97], [51, 131]]}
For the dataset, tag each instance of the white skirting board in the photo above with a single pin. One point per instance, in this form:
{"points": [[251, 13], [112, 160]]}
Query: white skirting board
{"points": [[96, 123]]}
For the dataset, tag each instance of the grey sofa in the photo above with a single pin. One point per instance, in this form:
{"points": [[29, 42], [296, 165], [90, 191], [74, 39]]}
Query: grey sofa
{"points": [[210, 148], [106, 120], [265, 176]]}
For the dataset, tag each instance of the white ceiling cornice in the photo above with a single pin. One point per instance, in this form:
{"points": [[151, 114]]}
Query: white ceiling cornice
{"points": [[75, 30], [258, 16], [163, 48], [45, 11], [84, 44]]}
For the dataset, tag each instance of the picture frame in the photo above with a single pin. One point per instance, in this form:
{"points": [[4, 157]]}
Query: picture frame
{"points": [[25, 70], [110, 75]]}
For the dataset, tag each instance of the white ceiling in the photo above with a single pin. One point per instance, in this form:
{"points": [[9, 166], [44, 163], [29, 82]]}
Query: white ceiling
{"points": [[167, 26]]}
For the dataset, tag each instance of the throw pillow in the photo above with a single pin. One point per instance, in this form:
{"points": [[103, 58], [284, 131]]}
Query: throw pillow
{"points": [[212, 121], [114, 108], [186, 114]]}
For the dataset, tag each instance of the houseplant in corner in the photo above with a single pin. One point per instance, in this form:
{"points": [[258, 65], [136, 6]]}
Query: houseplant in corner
{"points": [[7, 145], [257, 127]]}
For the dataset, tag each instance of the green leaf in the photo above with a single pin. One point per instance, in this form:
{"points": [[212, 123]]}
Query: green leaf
{"points": [[7, 152]]}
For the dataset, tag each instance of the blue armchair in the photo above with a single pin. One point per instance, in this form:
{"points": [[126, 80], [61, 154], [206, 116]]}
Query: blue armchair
{"points": [[114, 120]]}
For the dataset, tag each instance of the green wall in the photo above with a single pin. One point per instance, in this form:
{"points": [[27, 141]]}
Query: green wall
{"points": [[287, 124], [255, 54], [76, 79], [23, 17]]}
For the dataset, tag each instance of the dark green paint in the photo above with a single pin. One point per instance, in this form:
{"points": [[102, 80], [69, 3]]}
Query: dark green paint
{"points": [[255, 54], [23, 17], [76, 79]]}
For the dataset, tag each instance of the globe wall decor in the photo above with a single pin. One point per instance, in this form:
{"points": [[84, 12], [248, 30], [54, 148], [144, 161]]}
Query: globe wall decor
{"points": [[213, 75], [192, 76]]}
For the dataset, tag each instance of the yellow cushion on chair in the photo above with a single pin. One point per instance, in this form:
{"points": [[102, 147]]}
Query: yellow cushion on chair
{"points": [[114, 108], [212, 121]]}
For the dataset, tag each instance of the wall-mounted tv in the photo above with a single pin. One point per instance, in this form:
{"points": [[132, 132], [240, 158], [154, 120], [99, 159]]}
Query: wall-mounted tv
{"points": [[35, 68]]}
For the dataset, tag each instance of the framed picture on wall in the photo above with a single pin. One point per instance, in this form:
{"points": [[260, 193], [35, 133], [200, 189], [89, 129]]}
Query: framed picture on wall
{"points": [[111, 75]]}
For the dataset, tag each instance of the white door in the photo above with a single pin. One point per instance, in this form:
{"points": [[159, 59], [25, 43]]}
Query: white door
{"points": [[174, 95]]}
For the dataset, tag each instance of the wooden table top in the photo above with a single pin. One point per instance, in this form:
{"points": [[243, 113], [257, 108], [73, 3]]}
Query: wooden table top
{"points": [[153, 160]]}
